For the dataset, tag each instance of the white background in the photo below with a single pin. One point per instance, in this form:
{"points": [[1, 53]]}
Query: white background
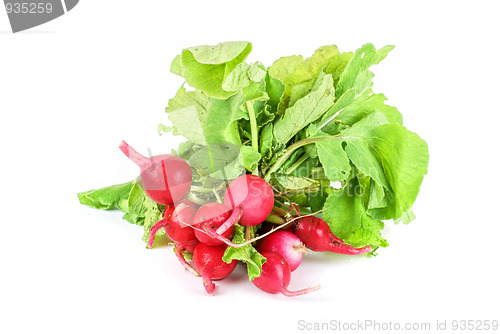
{"points": [[72, 89]]}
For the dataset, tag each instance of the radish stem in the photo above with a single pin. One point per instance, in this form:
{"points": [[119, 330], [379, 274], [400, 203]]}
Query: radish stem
{"points": [[234, 218], [254, 131], [293, 167], [133, 155], [195, 199], [275, 219], [248, 233], [179, 249], [279, 211], [152, 233], [289, 151]]}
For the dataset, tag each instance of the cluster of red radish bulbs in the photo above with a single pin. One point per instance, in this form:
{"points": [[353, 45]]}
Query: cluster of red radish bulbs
{"points": [[205, 230]]}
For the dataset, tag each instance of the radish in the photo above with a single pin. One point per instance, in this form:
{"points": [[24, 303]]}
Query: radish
{"points": [[165, 178], [254, 195], [208, 261], [179, 229], [211, 216], [317, 236], [177, 223], [285, 244], [251, 199], [276, 275]]}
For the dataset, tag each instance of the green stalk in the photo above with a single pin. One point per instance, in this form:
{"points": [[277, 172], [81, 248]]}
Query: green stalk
{"points": [[297, 163], [281, 212], [275, 219], [195, 199], [289, 151], [201, 189], [254, 132], [219, 200]]}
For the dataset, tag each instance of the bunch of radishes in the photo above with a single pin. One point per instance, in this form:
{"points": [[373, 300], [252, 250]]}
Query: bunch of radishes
{"points": [[205, 231]]}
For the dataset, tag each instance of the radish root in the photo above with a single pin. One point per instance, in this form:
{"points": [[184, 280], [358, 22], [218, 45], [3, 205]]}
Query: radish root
{"points": [[214, 234], [179, 249], [288, 293]]}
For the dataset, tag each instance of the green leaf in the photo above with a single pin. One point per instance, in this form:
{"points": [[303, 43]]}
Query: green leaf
{"points": [[248, 254], [136, 201], [206, 67], [221, 125], [129, 197], [356, 74], [223, 115], [203, 119], [285, 67], [106, 198], [251, 158], [300, 90], [334, 159], [353, 110], [317, 199], [175, 67], [185, 150], [187, 112], [353, 91], [348, 219], [292, 182], [153, 213], [331, 154], [404, 157], [382, 53], [295, 70], [133, 219], [275, 89], [395, 158], [359, 150], [162, 128], [304, 167], [222, 161], [266, 140], [242, 76], [305, 110], [337, 64]]}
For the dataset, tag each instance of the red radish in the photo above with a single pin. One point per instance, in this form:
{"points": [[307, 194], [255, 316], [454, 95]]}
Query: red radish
{"points": [[165, 178], [208, 261], [285, 244], [254, 195], [276, 276], [251, 198], [317, 236], [177, 226], [211, 216], [177, 223]]}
